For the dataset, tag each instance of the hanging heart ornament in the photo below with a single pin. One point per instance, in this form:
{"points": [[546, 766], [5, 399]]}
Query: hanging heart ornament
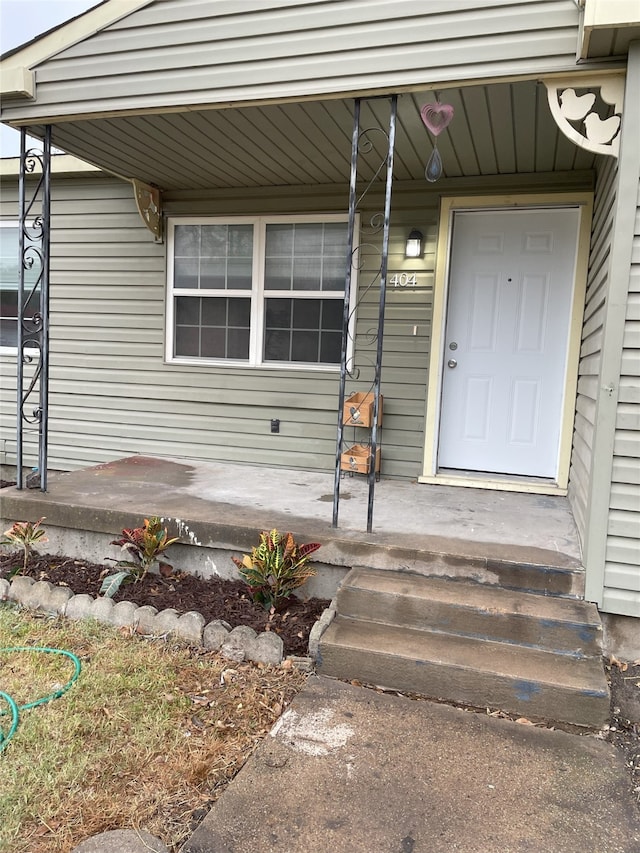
{"points": [[436, 117]]}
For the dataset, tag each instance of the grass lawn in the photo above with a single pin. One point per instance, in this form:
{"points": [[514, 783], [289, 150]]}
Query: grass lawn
{"points": [[148, 736]]}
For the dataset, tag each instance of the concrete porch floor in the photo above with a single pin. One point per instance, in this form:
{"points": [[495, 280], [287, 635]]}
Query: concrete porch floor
{"points": [[223, 506]]}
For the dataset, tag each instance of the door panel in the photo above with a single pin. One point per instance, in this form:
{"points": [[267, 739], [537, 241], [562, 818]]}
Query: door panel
{"points": [[510, 292]]}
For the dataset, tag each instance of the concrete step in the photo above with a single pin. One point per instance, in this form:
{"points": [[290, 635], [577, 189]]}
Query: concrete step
{"points": [[565, 626], [525, 681], [522, 569]]}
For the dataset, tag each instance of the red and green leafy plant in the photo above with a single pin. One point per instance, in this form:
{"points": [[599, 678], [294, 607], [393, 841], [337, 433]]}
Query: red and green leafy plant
{"points": [[24, 534], [145, 545], [275, 567]]}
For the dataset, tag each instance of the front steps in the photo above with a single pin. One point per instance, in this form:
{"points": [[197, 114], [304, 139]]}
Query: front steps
{"points": [[531, 655]]}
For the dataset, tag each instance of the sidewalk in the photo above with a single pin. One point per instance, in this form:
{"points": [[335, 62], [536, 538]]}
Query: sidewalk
{"points": [[348, 769]]}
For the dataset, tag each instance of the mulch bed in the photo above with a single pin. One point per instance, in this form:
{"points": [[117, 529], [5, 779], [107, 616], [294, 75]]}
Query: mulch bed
{"points": [[214, 598]]}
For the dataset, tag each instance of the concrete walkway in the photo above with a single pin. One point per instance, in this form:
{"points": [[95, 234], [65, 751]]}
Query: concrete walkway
{"points": [[352, 771]]}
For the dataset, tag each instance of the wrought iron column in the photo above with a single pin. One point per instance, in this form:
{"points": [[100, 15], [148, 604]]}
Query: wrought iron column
{"points": [[361, 142], [383, 291], [355, 139], [34, 201]]}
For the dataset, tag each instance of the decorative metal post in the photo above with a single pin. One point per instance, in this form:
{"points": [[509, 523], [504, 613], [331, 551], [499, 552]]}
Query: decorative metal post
{"points": [[362, 143], [34, 201], [383, 291], [347, 302]]}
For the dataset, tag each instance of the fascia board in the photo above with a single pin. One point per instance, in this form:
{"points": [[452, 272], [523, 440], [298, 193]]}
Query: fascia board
{"points": [[600, 14], [18, 82]]}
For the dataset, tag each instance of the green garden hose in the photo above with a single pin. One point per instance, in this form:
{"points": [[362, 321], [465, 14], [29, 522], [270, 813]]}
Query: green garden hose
{"points": [[14, 710]]}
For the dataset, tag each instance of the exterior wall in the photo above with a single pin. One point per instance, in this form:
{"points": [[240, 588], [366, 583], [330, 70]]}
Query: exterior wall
{"points": [[113, 395], [621, 580], [622, 567], [611, 523], [106, 322], [591, 350], [173, 53]]}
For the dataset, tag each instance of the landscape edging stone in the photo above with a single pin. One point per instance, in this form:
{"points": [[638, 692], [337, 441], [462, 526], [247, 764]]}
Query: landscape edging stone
{"points": [[238, 644]]}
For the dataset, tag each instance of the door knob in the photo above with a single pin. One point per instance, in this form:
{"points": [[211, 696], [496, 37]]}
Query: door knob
{"points": [[452, 362]]}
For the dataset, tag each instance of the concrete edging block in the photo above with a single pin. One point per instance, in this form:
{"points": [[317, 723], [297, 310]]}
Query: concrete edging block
{"points": [[238, 644], [315, 635], [145, 619], [79, 607], [5, 588], [20, 586], [124, 614], [190, 627], [102, 610]]}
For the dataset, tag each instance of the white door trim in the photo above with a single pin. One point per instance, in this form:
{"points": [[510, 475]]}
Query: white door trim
{"points": [[430, 473]]}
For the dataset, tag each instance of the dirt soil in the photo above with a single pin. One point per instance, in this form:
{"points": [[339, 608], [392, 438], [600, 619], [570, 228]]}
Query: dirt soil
{"points": [[624, 726], [214, 598]]}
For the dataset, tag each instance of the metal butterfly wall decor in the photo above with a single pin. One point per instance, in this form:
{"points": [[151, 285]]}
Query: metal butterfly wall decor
{"points": [[436, 118]]}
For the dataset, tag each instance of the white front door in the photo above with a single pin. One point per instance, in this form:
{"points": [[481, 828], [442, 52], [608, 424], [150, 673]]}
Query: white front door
{"points": [[511, 284]]}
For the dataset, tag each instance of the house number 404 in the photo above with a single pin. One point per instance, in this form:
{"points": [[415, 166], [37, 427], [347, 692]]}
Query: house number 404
{"points": [[404, 279]]}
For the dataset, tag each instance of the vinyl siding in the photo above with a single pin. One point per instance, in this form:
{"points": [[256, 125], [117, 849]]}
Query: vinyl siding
{"points": [[178, 53], [111, 394], [594, 315], [622, 566], [308, 440]]}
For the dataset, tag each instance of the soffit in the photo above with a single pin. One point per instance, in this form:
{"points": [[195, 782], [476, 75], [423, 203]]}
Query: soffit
{"points": [[497, 129]]}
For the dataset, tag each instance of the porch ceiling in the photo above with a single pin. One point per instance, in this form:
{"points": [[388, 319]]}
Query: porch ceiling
{"points": [[497, 129]]}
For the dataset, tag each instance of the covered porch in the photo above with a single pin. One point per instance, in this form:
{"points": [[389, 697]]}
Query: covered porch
{"points": [[267, 135], [501, 151]]}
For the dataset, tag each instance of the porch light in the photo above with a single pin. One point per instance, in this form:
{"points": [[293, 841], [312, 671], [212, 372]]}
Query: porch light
{"points": [[413, 247]]}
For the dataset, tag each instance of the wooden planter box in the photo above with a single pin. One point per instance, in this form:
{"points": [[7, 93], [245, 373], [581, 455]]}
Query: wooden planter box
{"points": [[358, 459], [358, 410]]}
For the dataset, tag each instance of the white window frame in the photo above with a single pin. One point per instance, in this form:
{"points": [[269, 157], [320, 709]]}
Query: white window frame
{"points": [[4, 349], [257, 294]]}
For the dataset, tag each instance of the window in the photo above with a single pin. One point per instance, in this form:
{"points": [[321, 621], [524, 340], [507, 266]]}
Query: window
{"points": [[260, 291], [9, 282]]}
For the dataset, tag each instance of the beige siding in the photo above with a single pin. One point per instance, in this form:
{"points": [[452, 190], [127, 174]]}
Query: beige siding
{"points": [[112, 393], [405, 354], [589, 371], [622, 566], [175, 53]]}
